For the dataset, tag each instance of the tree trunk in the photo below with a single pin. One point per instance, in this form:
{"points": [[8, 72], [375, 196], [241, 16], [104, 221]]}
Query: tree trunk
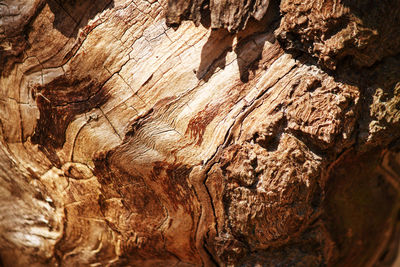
{"points": [[190, 133]]}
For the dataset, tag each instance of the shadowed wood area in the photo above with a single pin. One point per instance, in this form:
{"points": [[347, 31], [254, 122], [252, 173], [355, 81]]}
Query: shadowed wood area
{"points": [[199, 133]]}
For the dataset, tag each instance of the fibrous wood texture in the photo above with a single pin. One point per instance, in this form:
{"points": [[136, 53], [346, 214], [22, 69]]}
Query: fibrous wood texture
{"points": [[190, 133]]}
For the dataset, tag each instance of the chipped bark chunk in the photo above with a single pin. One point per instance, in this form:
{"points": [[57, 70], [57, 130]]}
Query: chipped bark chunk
{"points": [[232, 15]]}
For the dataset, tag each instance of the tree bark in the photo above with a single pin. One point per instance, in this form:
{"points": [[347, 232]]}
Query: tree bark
{"points": [[199, 133]]}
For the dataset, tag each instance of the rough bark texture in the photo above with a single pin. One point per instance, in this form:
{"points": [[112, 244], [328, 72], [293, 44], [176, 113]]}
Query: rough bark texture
{"points": [[263, 133]]}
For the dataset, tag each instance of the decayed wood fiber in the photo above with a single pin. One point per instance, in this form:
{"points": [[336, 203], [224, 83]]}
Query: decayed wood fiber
{"points": [[255, 133], [362, 32]]}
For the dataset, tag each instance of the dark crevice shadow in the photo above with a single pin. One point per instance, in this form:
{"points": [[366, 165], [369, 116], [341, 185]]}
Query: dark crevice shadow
{"points": [[220, 42], [71, 15], [248, 55], [205, 11], [213, 53]]}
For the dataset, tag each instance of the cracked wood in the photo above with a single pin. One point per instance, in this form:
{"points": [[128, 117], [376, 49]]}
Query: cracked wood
{"points": [[199, 133]]}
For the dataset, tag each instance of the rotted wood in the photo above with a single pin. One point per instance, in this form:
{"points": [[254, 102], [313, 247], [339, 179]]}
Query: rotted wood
{"points": [[199, 133]]}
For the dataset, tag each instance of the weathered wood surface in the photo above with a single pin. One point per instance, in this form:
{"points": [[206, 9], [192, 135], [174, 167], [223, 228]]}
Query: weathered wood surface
{"points": [[257, 132]]}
